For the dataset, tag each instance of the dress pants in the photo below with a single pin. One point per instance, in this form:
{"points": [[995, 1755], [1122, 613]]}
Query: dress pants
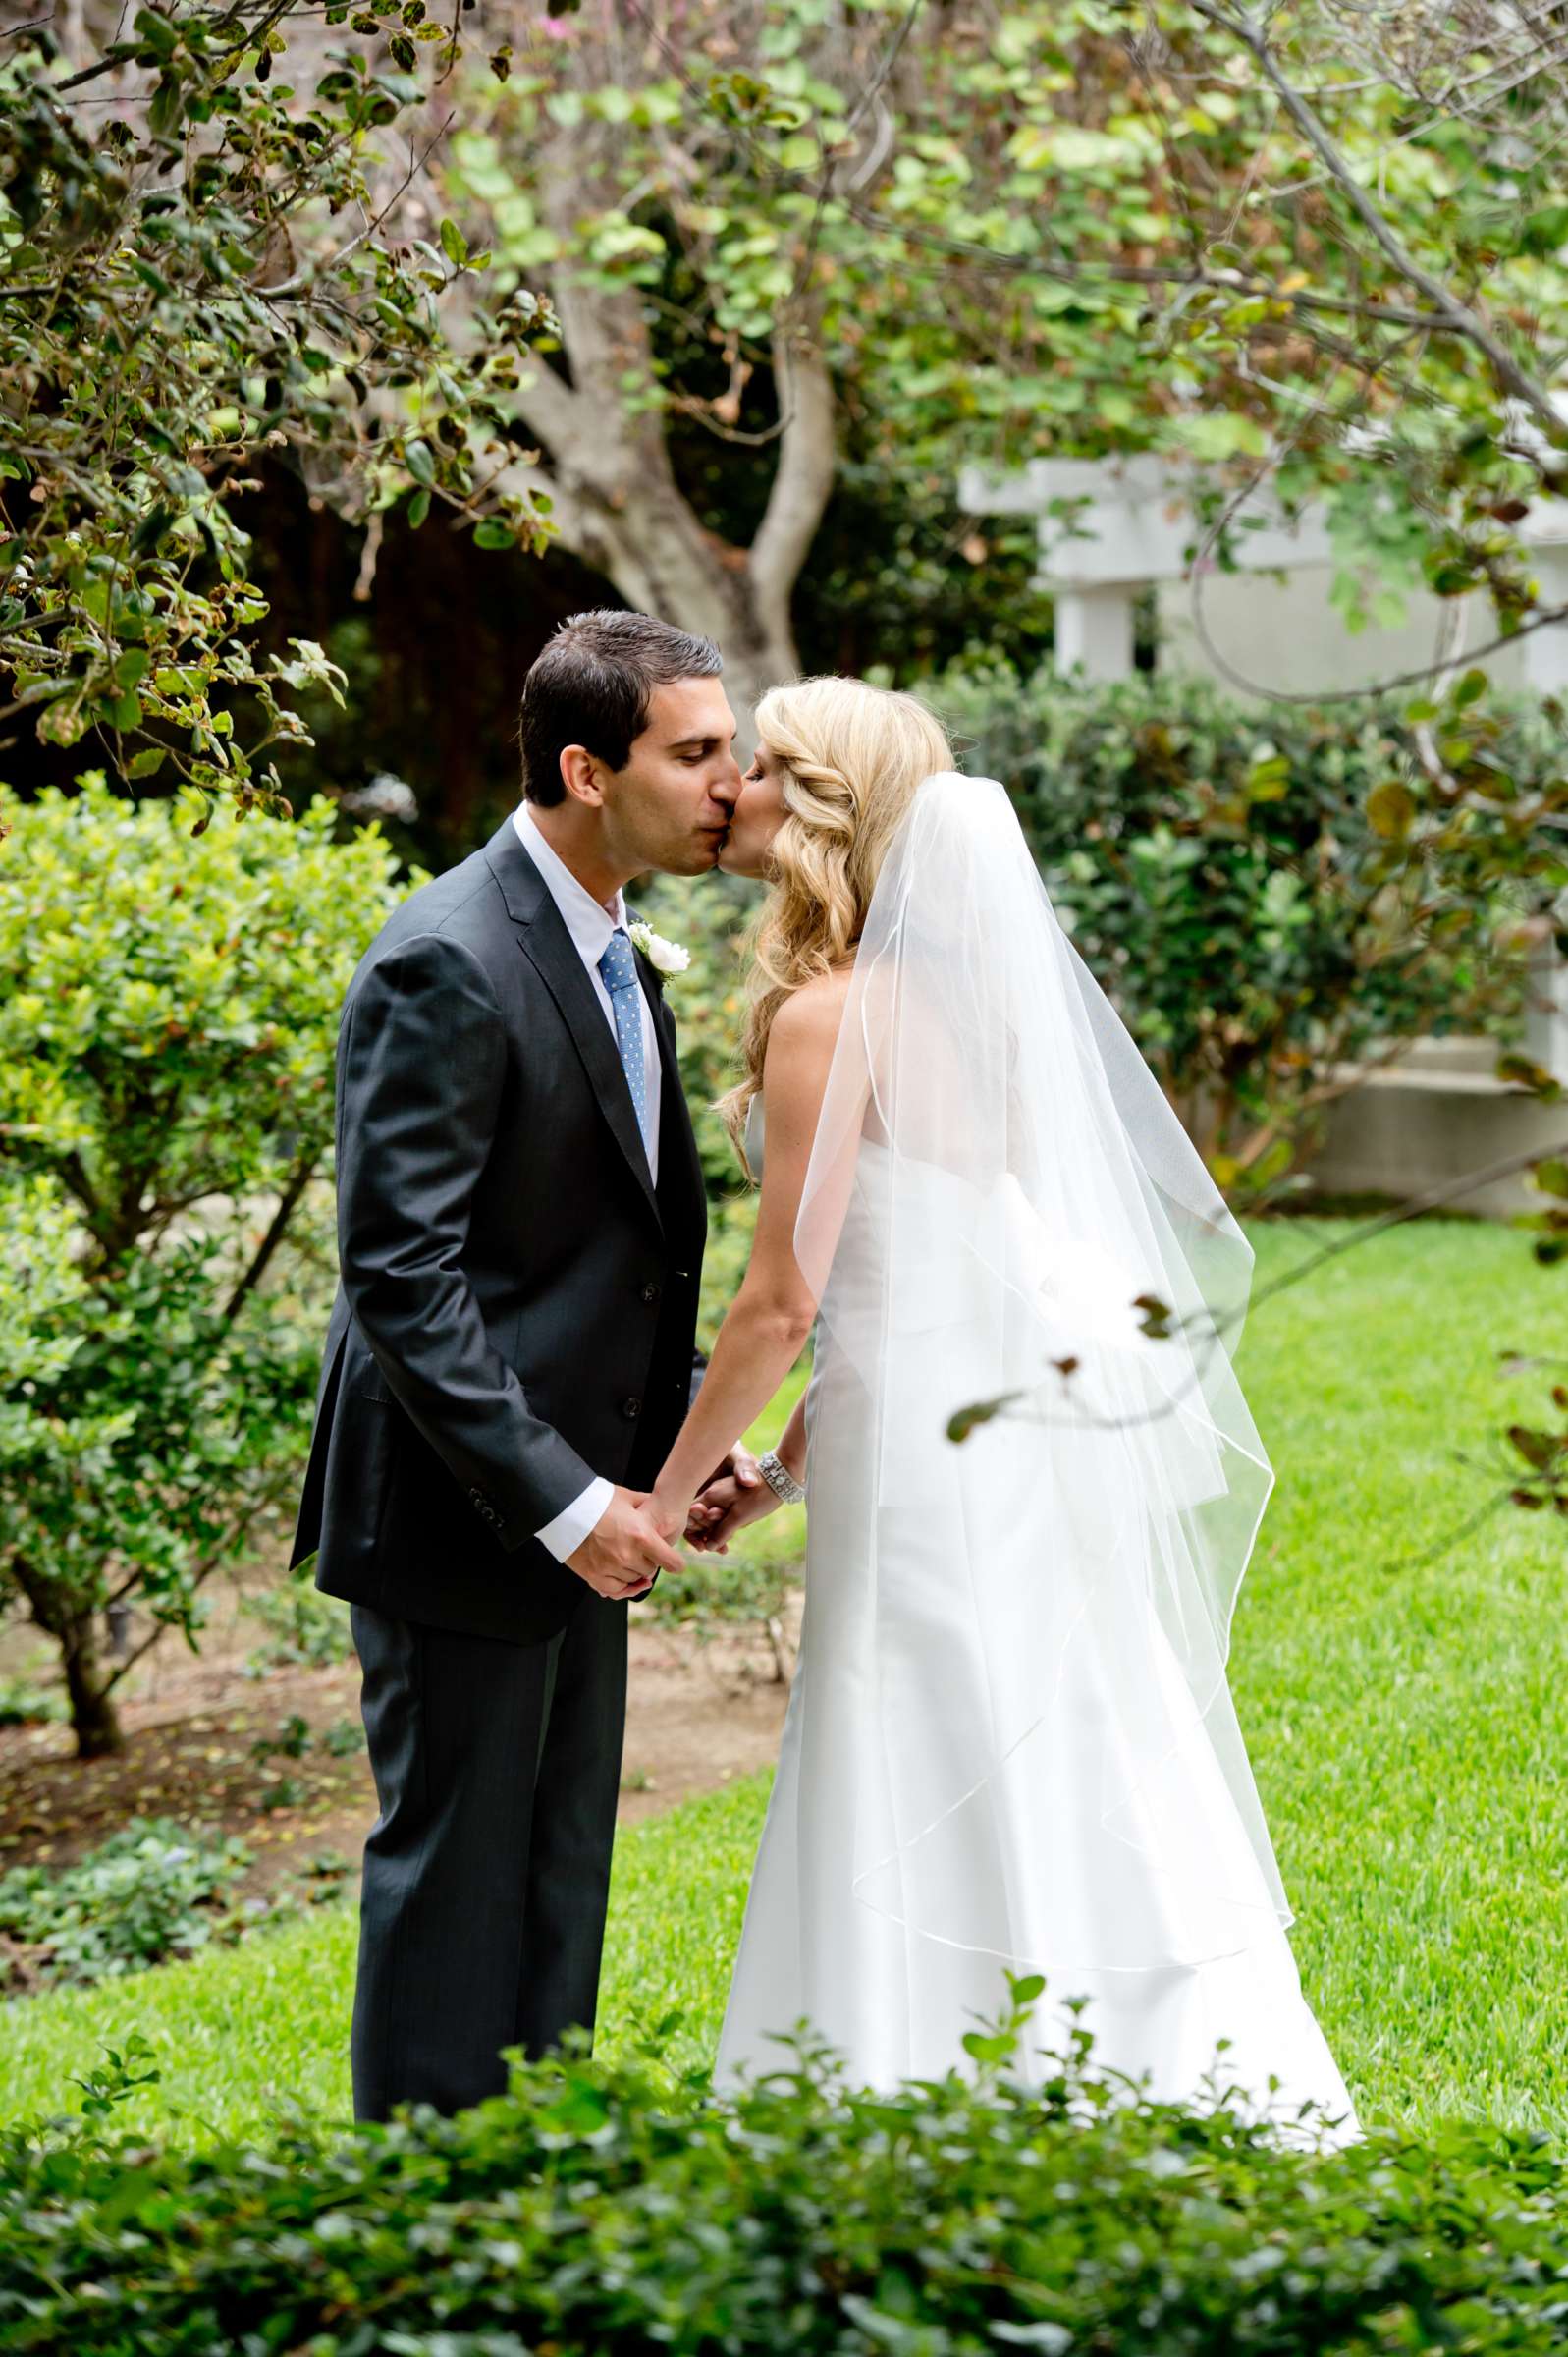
{"points": [[487, 1871]]}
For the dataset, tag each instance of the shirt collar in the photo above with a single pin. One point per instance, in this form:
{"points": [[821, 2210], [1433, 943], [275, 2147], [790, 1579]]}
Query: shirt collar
{"points": [[590, 922]]}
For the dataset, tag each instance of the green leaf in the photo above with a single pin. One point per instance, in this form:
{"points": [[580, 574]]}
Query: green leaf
{"points": [[150, 530], [1546, 231], [1392, 809], [419, 507], [163, 113], [420, 465], [965, 1420], [1539, 1450]]}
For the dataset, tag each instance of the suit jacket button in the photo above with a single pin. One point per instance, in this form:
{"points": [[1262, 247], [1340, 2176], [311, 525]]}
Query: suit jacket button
{"points": [[631, 1408], [650, 1291]]}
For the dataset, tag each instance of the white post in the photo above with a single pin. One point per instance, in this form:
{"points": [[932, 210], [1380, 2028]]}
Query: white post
{"points": [[1546, 651], [1545, 671], [1546, 1012], [1094, 629]]}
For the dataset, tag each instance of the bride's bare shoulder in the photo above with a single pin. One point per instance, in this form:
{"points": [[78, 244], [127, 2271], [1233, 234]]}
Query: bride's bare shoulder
{"points": [[812, 1013], [806, 1024]]}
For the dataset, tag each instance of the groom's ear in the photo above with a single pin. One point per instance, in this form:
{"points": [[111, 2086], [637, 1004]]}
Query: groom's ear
{"points": [[582, 776]]}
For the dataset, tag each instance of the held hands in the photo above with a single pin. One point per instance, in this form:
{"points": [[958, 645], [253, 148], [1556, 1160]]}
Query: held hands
{"points": [[737, 1477], [724, 1504], [626, 1547]]}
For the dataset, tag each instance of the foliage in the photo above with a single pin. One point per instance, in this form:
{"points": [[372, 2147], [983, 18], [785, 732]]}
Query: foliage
{"points": [[305, 1627], [23, 1703], [1072, 226], [146, 1893], [1270, 899], [1076, 225], [708, 914], [166, 1128], [592, 2209], [201, 270]]}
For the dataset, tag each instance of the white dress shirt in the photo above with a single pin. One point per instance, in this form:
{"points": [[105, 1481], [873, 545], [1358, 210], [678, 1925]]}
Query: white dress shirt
{"points": [[590, 923]]}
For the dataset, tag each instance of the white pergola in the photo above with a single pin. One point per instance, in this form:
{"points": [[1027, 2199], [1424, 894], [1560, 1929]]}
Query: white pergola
{"points": [[1109, 529]]}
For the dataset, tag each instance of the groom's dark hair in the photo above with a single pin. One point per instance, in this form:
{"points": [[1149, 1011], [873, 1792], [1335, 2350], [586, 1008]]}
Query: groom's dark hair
{"points": [[590, 687]]}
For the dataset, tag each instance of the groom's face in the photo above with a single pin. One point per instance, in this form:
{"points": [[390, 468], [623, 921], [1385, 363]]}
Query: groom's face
{"points": [[671, 806]]}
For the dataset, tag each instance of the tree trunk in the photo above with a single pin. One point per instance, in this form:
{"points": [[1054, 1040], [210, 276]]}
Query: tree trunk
{"points": [[94, 1719], [740, 598], [74, 1627], [664, 561], [608, 473]]}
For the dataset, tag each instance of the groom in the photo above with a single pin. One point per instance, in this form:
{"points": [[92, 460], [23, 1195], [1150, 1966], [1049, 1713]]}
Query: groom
{"points": [[521, 1224]]}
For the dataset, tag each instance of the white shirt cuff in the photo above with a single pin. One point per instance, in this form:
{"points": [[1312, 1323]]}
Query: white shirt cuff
{"points": [[565, 1534]]}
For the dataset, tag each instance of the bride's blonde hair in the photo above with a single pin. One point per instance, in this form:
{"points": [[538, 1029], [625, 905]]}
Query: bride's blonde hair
{"points": [[852, 756]]}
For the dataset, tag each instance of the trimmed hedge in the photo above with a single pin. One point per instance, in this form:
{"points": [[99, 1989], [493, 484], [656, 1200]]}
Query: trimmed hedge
{"points": [[622, 2210]]}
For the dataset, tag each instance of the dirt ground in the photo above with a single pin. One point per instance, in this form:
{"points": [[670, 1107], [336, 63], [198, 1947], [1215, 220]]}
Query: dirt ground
{"points": [[700, 1712]]}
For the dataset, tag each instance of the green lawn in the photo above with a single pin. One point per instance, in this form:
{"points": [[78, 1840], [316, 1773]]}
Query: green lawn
{"points": [[1407, 1711]]}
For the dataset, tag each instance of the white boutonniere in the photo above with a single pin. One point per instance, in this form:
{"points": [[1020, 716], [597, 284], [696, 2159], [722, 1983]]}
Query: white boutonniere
{"points": [[665, 957]]}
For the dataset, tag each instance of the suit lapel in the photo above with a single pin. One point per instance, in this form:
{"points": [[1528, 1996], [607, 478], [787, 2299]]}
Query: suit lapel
{"points": [[550, 951]]}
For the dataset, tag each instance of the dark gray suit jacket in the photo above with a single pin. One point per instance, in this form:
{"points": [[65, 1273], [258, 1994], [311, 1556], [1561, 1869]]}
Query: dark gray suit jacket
{"points": [[517, 1303]]}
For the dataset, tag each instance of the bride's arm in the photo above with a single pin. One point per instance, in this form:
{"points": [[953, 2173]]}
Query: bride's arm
{"points": [[770, 1316]]}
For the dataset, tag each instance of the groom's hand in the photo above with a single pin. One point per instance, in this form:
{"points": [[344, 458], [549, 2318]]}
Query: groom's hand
{"points": [[722, 1507], [625, 1549]]}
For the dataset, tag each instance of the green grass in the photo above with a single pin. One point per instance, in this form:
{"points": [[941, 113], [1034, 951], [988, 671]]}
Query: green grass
{"points": [[1405, 1700], [240, 2030], [1406, 1708]]}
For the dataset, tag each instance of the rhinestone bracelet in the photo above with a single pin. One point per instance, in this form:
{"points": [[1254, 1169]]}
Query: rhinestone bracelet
{"points": [[779, 1478]]}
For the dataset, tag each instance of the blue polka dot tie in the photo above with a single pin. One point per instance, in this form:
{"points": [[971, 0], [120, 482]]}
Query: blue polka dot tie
{"points": [[619, 969]]}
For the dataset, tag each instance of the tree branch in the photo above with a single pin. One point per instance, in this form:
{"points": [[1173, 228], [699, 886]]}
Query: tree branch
{"points": [[288, 1201], [1456, 314], [587, 526], [802, 484], [553, 413]]}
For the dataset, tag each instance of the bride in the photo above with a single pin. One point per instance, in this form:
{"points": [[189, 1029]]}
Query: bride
{"points": [[1032, 1481]]}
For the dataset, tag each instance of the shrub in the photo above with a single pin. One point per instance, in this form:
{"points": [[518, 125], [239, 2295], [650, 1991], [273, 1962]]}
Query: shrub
{"points": [[23, 1703], [305, 1627], [167, 1030], [708, 914], [1264, 896], [598, 2211], [146, 1893]]}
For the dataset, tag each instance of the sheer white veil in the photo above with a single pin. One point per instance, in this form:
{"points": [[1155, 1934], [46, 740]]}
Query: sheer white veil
{"points": [[996, 1180]]}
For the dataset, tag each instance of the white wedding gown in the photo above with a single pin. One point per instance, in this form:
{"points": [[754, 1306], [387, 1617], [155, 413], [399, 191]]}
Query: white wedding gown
{"points": [[1028, 1866]]}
